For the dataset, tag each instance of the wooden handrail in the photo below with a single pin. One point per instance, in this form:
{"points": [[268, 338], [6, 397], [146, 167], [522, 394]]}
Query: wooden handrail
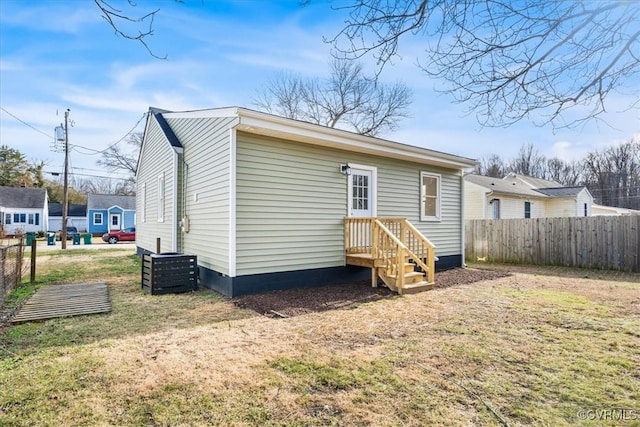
{"points": [[392, 241], [429, 266]]}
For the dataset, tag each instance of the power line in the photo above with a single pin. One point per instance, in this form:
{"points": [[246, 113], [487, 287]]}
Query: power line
{"points": [[112, 145], [26, 124], [89, 175]]}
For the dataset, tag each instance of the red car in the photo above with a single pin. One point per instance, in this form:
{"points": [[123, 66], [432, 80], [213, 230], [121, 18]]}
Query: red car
{"points": [[126, 235]]}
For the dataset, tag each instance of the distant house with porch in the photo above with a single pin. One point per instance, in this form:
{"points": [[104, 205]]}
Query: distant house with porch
{"points": [[107, 212], [23, 210]]}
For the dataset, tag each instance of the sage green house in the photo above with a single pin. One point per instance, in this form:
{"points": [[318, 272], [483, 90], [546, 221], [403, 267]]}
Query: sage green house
{"points": [[263, 201]]}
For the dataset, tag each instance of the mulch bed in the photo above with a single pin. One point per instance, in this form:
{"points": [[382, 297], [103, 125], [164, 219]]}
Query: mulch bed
{"points": [[295, 302]]}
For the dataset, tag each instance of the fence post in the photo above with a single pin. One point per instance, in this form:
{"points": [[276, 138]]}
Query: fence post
{"points": [[33, 260]]}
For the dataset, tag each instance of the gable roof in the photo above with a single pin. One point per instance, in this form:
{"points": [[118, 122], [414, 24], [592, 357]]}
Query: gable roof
{"points": [[508, 186], [75, 209], [522, 185], [22, 197], [561, 191], [105, 201], [534, 182], [259, 123]]}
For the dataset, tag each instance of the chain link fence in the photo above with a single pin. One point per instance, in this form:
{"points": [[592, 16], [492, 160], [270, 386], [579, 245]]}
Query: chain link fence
{"points": [[11, 267]]}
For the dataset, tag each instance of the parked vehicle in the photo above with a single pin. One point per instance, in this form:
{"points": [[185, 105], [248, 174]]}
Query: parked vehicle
{"points": [[71, 231], [126, 235]]}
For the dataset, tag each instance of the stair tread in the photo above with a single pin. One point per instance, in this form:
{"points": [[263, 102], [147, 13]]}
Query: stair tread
{"points": [[417, 287], [410, 274]]}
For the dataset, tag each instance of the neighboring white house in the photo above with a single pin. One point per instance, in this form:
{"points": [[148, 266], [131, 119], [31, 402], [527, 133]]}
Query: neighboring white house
{"points": [[23, 210], [261, 200], [76, 216], [520, 196]]}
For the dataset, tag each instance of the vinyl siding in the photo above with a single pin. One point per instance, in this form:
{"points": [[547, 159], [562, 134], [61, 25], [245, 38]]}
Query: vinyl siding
{"points": [[584, 197], [474, 201], [564, 207], [156, 158], [204, 197], [512, 207], [570, 206], [292, 200]]}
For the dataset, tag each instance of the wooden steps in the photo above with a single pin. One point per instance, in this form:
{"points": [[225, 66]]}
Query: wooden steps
{"points": [[394, 250]]}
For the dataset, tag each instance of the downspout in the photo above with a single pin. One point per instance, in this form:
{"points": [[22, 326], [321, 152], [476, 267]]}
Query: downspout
{"points": [[174, 206], [462, 225]]}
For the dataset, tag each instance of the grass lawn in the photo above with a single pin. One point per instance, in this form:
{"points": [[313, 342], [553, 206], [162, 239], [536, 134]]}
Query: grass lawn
{"points": [[528, 349]]}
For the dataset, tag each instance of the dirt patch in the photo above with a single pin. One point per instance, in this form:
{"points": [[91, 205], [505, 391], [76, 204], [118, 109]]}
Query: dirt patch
{"points": [[295, 302]]}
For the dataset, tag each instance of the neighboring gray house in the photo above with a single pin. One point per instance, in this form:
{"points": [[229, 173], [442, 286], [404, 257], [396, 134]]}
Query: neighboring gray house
{"points": [[23, 210], [521, 196], [76, 216], [266, 202], [107, 212]]}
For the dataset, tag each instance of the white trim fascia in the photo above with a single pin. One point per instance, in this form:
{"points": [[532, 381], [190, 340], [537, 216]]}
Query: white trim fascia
{"points": [[174, 207], [267, 124], [335, 138], [203, 114], [232, 201], [374, 193]]}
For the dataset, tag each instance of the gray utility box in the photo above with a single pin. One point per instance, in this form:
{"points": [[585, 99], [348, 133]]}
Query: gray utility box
{"points": [[169, 273]]}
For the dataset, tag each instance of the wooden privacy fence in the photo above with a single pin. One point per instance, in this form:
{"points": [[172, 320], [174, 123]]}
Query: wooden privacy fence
{"points": [[605, 242]]}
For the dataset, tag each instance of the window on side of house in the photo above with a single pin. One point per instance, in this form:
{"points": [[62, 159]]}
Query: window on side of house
{"points": [[19, 218], [97, 218], [30, 219], [527, 209], [37, 219], [7, 219], [429, 196], [586, 209], [495, 203], [161, 197]]}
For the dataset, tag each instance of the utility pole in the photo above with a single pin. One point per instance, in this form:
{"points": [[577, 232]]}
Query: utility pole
{"points": [[65, 194]]}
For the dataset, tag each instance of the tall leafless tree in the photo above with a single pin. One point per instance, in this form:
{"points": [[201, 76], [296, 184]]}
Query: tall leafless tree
{"points": [[347, 99], [493, 166], [546, 60], [613, 175], [528, 162]]}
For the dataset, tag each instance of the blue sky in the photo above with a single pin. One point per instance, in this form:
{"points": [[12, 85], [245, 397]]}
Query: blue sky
{"points": [[61, 54]]}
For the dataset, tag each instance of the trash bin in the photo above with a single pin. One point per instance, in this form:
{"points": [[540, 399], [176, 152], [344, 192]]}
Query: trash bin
{"points": [[76, 239], [30, 238], [87, 238], [51, 239]]}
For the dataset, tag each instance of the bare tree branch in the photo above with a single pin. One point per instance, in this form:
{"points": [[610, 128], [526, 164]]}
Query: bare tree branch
{"points": [[549, 61], [117, 18], [347, 100]]}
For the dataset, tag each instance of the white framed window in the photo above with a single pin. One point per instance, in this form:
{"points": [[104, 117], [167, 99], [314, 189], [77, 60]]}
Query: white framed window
{"points": [[97, 218], [527, 209], [429, 196], [161, 197], [31, 219]]}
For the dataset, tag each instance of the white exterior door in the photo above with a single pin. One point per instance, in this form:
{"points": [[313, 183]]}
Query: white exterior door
{"points": [[362, 192], [114, 222]]}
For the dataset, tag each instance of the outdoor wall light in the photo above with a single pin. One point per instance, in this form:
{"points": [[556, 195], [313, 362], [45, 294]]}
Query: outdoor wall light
{"points": [[345, 169]]}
